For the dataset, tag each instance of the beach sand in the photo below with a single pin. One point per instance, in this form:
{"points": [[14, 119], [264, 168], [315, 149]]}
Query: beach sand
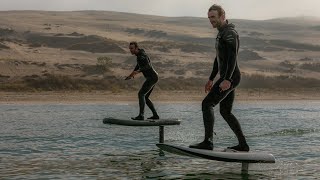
{"points": [[106, 97]]}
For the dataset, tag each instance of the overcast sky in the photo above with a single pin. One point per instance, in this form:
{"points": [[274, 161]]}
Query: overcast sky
{"points": [[235, 9]]}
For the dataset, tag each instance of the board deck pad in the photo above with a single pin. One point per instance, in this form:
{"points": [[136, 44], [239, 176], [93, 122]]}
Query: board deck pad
{"points": [[220, 154], [146, 122]]}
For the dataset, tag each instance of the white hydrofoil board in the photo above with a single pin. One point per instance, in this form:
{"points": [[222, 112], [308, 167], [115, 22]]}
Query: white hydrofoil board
{"points": [[220, 155], [147, 122]]}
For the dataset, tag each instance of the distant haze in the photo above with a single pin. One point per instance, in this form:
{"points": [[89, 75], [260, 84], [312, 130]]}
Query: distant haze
{"points": [[242, 9]]}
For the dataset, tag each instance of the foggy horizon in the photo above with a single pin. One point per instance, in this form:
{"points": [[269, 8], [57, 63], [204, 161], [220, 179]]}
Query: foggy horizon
{"points": [[246, 9]]}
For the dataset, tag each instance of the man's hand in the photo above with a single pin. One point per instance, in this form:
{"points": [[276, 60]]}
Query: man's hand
{"points": [[225, 85], [132, 75], [208, 86]]}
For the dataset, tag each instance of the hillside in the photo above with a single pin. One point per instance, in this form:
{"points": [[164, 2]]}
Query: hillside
{"points": [[42, 50]]}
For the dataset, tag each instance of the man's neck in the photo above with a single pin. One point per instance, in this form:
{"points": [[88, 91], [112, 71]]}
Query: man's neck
{"points": [[223, 24], [137, 52]]}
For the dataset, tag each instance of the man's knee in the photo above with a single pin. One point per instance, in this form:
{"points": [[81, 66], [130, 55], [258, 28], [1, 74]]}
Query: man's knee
{"points": [[224, 112], [207, 105], [141, 94]]}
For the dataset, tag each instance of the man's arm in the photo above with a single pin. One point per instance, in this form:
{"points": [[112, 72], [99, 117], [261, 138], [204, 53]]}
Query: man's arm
{"points": [[136, 68], [215, 69], [213, 74], [133, 73], [232, 43]]}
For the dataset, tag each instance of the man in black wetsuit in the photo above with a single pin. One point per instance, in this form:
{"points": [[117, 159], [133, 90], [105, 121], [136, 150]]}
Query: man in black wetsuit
{"points": [[144, 65], [223, 90]]}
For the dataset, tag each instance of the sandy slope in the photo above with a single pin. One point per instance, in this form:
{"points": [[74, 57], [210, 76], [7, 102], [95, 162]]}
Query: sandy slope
{"points": [[22, 60]]}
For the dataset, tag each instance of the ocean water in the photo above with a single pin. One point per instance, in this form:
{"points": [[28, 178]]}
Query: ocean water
{"points": [[68, 141]]}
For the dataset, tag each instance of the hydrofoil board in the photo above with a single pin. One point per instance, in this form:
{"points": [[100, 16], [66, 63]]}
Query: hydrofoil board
{"points": [[220, 154], [147, 122]]}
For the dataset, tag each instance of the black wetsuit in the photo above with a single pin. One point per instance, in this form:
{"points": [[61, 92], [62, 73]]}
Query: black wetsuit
{"points": [[227, 46], [144, 65]]}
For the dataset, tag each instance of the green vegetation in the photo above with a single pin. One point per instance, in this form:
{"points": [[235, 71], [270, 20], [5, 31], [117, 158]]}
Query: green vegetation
{"points": [[282, 81], [90, 43], [2, 46], [52, 82], [104, 63], [311, 66], [103, 66]]}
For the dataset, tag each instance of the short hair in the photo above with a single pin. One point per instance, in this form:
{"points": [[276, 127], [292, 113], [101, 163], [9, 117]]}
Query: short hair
{"points": [[218, 8], [134, 43]]}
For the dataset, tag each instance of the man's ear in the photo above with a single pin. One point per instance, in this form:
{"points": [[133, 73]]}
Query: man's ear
{"points": [[223, 17]]}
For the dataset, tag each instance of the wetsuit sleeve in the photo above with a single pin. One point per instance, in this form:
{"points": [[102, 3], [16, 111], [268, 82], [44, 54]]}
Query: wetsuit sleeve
{"points": [[136, 68], [232, 43], [214, 69]]}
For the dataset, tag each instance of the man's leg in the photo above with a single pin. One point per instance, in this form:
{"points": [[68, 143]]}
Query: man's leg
{"points": [[151, 106], [146, 87], [211, 100], [225, 110]]}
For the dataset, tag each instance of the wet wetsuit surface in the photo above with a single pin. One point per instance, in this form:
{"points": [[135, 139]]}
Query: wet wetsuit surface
{"points": [[227, 46], [144, 65]]}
